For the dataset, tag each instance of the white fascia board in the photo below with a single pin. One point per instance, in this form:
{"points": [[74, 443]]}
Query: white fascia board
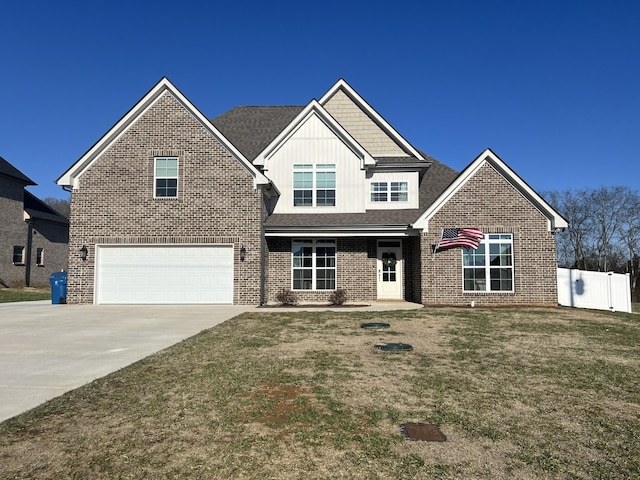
{"points": [[314, 234], [377, 118], [423, 220], [354, 231], [554, 219], [72, 175], [313, 108], [402, 167], [69, 177]]}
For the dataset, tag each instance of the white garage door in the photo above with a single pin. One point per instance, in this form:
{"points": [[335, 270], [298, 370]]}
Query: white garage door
{"points": [[164, 274]]}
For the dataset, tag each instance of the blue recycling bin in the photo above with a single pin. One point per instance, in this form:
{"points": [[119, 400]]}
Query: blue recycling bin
{"points": [[58, 281]]}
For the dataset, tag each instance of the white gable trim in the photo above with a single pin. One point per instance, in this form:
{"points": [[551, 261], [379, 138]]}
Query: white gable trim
{"points": [[71, 177], [375, 116], [554, 219], [313, 108]]}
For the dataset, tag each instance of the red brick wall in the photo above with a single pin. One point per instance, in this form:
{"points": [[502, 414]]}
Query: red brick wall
{"points": [[216, 203], [487, 201]]}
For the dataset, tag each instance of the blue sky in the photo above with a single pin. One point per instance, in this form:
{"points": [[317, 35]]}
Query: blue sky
{"points": [[553, 87]]}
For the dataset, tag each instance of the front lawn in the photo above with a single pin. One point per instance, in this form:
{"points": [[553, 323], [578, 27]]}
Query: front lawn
{"points": [[528, 394], [24, 294]]}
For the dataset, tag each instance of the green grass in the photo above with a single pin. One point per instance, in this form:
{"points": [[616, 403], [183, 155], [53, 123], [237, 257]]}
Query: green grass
{"points": [[544, 393], [23, 294]]}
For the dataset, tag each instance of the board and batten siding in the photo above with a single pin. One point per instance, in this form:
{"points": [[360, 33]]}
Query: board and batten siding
{"points": [[315, 143]]}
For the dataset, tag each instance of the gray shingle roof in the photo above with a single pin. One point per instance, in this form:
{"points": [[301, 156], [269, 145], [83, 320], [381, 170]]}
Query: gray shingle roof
{"points": [[39, 210], [370, 217], [10, 171], [437, 178], [251, 129], [434, 182], [396, 160]]}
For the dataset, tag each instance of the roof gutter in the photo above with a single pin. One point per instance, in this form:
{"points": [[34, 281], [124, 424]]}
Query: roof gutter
{"points": [[340, 231], [401, 165]]}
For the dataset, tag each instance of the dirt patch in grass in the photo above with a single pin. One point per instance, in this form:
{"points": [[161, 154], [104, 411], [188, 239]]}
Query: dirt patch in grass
{"points": [[274, 404], [527, 393]]}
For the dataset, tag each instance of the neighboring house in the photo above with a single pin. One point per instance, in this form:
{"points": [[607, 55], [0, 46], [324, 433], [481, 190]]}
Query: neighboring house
{"points": [[175, 208], [33, 238]]}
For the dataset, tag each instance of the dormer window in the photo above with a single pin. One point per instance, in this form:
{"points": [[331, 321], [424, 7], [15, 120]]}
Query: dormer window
{"points": [[389, 191], [314, 185]]}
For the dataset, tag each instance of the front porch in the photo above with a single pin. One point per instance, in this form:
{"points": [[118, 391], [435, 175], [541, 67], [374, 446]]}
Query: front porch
{"points": [[369, 269]]}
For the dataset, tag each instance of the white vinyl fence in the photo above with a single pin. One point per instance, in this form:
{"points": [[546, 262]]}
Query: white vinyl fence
{"points": [[597, 290]]}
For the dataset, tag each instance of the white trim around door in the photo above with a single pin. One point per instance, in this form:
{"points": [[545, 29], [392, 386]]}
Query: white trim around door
{"points": [[390, 269]]}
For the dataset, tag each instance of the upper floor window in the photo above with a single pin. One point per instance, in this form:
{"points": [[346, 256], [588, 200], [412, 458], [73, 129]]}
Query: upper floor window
{"points": [[490, 267], [389, 191], [18, 255], [314, 185], [40, 257], [166, 177]]}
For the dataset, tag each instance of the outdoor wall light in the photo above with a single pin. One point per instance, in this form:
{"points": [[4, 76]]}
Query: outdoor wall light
{"points": [[83, 252], [243, 253]]}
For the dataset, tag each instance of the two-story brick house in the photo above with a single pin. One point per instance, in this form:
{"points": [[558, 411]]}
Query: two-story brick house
{"points": [[175, 208], [33, 237]]}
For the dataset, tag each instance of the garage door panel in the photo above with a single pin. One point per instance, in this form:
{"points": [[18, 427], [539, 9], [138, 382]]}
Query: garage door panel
{"points": [[147, 274]]}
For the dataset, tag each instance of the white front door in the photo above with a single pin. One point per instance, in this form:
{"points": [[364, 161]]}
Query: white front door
{"points": [[389, 269]]}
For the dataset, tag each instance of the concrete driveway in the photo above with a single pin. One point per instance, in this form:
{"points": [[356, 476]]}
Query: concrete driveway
{"points": [[46, 350]]}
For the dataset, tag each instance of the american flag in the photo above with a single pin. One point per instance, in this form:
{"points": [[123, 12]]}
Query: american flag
{"points": [[460, 237]]}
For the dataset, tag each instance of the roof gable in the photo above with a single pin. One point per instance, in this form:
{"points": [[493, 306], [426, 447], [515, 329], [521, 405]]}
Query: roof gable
{"points": [[8, 170], [554, 219], [38, 210], [252, 128], [340, 100], [163, 87], [314, 109]]}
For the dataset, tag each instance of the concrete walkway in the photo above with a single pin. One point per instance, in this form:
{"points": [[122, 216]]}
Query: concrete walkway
{"points": [[47, 350]]}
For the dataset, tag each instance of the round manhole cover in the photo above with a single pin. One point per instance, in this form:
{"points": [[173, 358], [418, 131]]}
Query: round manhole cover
{"points": [[394, 347], [375, 325]]}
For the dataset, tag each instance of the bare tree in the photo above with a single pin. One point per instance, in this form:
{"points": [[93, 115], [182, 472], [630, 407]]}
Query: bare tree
{"points": [[604, 230], [609, 207], [630, 240], [60, 205], [575, 208]]}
